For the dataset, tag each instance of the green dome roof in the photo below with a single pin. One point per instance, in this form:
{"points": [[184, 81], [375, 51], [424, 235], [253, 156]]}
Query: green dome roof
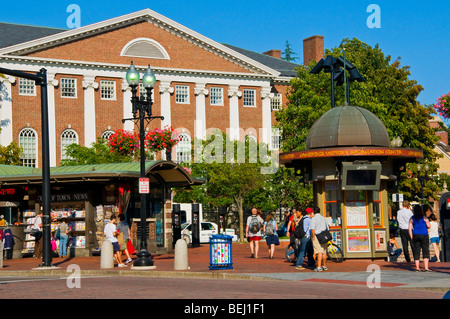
{"points": [[347, 126]]}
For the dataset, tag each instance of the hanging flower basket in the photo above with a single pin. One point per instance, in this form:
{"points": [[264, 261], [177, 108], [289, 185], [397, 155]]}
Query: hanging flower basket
{"points": [[124, 142], [443, 105], [158, 140]]}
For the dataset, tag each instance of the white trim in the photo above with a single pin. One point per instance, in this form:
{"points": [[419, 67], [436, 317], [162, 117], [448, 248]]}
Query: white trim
{"points": [[151, 41], [143, 15]]}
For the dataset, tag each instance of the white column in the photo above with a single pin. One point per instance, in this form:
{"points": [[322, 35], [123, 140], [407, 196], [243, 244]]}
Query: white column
{"points": [[266, 134], [165, 90], [200, 110], [6, 135], [51, 84], [127, 107], [89, 86], [234, 94]]}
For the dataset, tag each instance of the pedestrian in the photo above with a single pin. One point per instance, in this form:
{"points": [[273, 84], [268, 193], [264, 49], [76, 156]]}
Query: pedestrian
{"points": [[434, 236], [418, 231], [403, 217], [319, 224], [305, 246], [124, 229], [272, 240], [63, 237], [394, 249], [293, 220], [111, 234], [37, 227], [253, 231]]}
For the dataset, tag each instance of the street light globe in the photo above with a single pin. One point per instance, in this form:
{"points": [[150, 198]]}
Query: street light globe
{"points": [[132, 76], [149, 79]]}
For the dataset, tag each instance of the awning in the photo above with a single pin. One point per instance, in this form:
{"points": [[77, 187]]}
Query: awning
{"points": [[166, 172]]}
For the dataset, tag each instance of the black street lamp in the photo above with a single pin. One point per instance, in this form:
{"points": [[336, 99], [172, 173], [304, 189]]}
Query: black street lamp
{"points": [[41, 79], [144, 106]]}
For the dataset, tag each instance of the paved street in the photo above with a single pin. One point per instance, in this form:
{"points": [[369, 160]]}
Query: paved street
{"points": [[262, 279]]}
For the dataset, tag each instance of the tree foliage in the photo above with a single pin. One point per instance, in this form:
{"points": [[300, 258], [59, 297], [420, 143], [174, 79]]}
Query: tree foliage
{"points": [[389, 93], [11, 154]]}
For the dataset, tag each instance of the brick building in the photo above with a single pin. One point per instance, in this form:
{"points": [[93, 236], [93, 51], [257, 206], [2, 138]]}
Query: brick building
{"points": [[201, 84]]}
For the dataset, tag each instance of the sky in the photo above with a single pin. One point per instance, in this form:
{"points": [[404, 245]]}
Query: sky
{"points": [[416, 31]]}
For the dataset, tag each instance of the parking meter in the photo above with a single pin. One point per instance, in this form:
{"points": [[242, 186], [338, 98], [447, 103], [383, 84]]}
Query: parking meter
{"points": [[444, 219], [195, 227], [221, 220], [176, 223]]}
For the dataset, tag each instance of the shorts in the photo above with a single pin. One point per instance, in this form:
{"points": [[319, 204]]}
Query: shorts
{"points": [[124, 244], [434, 240], [116, 246], [254, 238], [318, 247]]}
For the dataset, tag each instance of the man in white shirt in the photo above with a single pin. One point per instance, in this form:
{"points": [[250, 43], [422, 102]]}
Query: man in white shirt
{"points": [[403, 217], [318, 224], [111, 234]]}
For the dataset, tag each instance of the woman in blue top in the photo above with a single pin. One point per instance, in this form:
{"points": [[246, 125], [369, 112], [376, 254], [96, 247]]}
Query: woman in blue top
{"points": [[418, 230], [271, 227]]}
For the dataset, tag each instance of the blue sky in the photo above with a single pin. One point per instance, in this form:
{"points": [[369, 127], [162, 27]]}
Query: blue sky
{"points": [[416, 31]]}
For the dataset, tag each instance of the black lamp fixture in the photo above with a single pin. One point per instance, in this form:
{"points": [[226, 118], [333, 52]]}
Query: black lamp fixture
{"points": [[333, 66], [144, 107]]}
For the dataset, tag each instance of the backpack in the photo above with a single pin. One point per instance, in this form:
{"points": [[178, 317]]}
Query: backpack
{"points": [[270, 229], [299, 229], [254, 225]]}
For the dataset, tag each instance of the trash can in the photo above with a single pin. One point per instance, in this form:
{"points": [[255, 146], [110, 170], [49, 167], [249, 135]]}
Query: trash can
{"points": [[221, 254]]}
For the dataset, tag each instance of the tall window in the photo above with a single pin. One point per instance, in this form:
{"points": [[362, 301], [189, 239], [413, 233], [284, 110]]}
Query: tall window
{"points": [[107, 90], [275, 102], [27, 87], [182, 94], [184, 148], [216, 96], [107, 134], [249, 97], [68, 87], [276, 138], [68, 137], [28, 141]]}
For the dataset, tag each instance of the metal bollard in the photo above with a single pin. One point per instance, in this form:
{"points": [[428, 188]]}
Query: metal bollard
{"points": [[106, 257], [181, 255]]}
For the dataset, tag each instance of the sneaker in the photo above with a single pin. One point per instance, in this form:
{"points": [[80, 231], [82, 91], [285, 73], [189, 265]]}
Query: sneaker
{"points": [[325, 268], [318, 269], [128, 260], [300, 268], [122, 265]]}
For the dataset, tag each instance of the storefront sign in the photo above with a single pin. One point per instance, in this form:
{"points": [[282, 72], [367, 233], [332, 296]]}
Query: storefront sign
{"points": [[356, 151], [66, 197]]}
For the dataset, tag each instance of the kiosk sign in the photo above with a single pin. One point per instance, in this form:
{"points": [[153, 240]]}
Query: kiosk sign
{"points": [[144, 185]]}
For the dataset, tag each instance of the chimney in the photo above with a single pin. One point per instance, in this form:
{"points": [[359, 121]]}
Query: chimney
{"points": [[313, 49], [444, 136], [274, 53]]}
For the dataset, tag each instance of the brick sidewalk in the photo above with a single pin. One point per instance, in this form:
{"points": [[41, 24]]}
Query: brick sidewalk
{"points": [[199, 258]]}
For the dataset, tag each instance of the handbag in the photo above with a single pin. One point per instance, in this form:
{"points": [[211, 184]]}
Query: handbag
{"points": [[130, 248], [324, 236], [36, 233]]}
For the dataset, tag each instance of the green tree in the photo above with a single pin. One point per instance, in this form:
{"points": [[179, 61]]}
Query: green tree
{"points": [[11, 154], [288, 54], [389, 93], [232, 171]]}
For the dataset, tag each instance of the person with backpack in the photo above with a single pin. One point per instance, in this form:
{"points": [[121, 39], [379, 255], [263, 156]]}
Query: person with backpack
{"points": [[253, 231], [303, 233], [272, 240]]}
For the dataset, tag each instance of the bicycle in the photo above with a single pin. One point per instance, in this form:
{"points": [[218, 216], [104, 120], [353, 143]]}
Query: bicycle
{"points": [[334, 252]]}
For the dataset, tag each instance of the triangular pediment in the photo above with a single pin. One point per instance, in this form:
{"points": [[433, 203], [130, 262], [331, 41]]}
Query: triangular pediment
{"points": [[145, 37]]}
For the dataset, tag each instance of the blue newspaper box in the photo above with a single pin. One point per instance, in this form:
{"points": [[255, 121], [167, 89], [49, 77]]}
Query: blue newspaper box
{"points": [[221, 253]]}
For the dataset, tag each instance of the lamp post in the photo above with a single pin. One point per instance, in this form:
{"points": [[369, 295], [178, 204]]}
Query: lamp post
{"points": [[422, 179], [144, 108], [41, 79]]}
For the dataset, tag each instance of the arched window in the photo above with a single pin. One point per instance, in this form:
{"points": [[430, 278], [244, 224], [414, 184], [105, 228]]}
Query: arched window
{"points": [[184, 148], [145, 48], [68, 137], [107, 134], [28, 141]]}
